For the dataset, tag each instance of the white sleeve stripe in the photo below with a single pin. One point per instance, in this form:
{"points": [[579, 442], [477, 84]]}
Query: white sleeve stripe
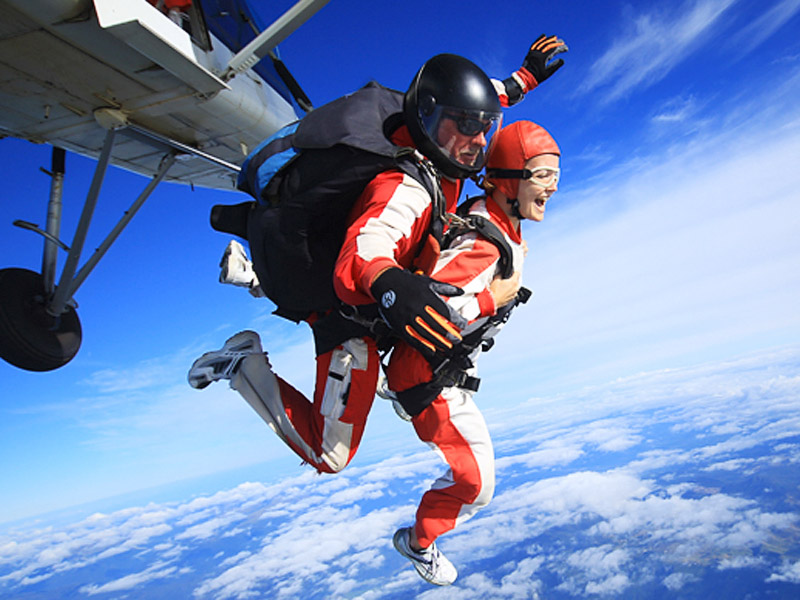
{"points": [[467, 304], [500, 87], [380, 235]]}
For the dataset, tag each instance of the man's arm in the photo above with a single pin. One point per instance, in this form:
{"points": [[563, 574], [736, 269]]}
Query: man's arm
{"points": [[539, 64], [389, 219]]}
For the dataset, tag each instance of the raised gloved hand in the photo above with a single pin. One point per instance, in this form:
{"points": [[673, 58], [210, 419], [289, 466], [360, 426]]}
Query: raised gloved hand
{"points": [[537, 66], [412, 307]]}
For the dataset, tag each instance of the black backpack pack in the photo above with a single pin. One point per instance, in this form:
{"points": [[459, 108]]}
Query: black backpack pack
{"points": [[305, 179]]}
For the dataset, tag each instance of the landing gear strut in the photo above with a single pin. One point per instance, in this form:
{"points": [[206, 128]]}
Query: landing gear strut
{"points": [[32, 338]]}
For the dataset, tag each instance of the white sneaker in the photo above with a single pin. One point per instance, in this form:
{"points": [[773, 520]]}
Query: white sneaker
{"points": [[237, 269], [430, 563], [223, 363], [384, 392]]}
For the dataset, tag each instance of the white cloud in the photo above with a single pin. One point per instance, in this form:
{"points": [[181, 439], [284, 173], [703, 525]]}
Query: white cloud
{"points": [[612, 585], [740, 562], [676, 581], [211, 527], [129, 582], [676, 110], [789, 572], [650, 45], [518, 581], [147, 374], [637, 516], [304, 547], [599, 560], [97, 538], [608, 437], [555, 454], [765, 25], [736, 464]]}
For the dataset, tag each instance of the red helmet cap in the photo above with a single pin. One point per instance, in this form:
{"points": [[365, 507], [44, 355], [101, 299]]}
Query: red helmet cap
{"points": [[515, 145]]}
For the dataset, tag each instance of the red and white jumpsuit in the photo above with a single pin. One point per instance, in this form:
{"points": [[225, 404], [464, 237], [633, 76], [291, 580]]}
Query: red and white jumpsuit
{"points": [[388, 222], [452, 425]]}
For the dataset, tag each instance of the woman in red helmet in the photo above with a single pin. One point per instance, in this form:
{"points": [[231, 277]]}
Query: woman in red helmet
{"points": [[522, 173]]}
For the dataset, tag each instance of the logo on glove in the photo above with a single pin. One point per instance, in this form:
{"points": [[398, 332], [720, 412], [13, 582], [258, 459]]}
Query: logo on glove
{"points": [[388, 298]]}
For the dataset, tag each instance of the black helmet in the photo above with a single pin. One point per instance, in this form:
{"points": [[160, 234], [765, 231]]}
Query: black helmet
{"points": [[452, 111]]}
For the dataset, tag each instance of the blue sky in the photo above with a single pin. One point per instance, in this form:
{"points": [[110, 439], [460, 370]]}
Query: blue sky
{"points": [[672, 240]]}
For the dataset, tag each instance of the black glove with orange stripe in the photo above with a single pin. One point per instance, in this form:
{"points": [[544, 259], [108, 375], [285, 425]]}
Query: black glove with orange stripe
{"points": [[537, 66], [413, 308]]}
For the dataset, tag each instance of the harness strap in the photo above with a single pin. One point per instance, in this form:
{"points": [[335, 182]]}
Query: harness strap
{"points": [[433, 183], [452, 371], [460, 224], [416, 399], [467, 382], [492, 233]]}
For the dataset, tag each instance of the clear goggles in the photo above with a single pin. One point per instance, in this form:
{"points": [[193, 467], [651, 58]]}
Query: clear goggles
{"points": [[543, 177]]}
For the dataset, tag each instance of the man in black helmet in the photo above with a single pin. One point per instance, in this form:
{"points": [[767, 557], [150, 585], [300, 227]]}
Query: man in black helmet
{"points": [[450, 112]]}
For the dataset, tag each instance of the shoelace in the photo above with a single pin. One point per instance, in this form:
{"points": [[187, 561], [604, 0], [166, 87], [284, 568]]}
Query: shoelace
{"points": [[430, 555]]}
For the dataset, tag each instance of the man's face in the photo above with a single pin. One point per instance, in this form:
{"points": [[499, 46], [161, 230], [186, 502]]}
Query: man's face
{"points": [[536, 191], [464, 148]]}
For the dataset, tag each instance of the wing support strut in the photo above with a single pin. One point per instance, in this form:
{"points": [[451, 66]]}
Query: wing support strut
{"points": [[63, 292], [273, 35], [91, 263], [70, 282]]}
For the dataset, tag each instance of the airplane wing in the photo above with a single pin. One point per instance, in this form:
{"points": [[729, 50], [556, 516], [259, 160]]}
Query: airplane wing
{"points": [[175, 90], [70, 69]]}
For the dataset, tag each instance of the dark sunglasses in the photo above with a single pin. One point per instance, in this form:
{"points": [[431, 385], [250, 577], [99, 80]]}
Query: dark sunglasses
{"points": [[469, 125]]}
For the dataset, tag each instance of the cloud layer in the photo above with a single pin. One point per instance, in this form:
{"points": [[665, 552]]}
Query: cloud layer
{"points": [[646, 483]]}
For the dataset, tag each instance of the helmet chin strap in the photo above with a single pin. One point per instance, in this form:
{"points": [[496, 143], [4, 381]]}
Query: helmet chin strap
{"points": [[515, 208], [510, 174]]}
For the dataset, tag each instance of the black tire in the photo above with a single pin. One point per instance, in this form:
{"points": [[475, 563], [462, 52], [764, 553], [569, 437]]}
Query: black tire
{"points": [[30, 338]]}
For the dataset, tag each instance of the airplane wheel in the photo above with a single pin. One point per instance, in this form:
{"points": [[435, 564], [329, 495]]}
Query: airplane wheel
{"points": [[30, 338]]}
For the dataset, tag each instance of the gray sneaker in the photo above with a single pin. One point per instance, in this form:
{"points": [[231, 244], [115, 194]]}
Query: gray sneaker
{"points": [[384, 392], [223, 363], [430, 563]]}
